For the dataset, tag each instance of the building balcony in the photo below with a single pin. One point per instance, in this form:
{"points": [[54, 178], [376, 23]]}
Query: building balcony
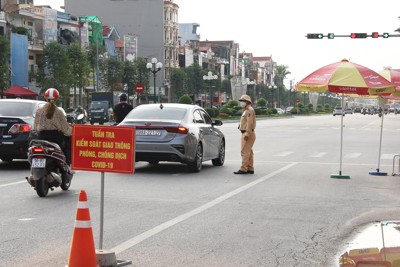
{"points": [[2, 16], [35, 45]]}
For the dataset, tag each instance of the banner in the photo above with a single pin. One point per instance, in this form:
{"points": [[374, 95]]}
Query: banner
{"points": [[19, 60], [49, 25], [130, 47], [103, 148]]}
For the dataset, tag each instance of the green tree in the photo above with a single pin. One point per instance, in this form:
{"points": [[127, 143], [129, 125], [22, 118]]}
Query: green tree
{"points": [[4, 66], [194, 79], [129, 76], [281, 71], [177, 84], [226, 86], [143, 74], [115, 73], [79, 69], [96, 59], [56, 69]]}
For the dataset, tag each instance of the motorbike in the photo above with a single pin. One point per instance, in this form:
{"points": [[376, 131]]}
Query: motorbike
{"points": [[49, 168], [79, 118]]}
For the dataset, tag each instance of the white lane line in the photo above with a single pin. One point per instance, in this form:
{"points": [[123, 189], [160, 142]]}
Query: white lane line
{"points": [[283, 154], [10, 184], [317, 155], [352, 155], [139, 238]]}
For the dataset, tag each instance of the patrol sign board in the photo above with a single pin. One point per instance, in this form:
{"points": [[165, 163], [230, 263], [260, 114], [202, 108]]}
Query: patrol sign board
{"points": [[103, 148]]}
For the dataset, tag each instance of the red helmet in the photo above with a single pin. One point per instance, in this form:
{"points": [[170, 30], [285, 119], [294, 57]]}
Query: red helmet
{"points": [[51, 94]]}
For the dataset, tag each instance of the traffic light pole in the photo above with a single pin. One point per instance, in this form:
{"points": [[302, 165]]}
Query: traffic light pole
{"points": [[352, 35]]}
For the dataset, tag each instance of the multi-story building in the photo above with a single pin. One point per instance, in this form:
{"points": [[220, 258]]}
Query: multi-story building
{"points": [[171, 43], [141, 18]]}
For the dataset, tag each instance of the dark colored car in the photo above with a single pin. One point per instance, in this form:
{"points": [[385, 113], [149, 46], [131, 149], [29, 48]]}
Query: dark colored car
{"points": [[16, 122], [176, 133], [357, 110]]}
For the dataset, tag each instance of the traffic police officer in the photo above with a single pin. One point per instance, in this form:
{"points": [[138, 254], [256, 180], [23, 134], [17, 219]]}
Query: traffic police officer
{"points": [[246, 127]]}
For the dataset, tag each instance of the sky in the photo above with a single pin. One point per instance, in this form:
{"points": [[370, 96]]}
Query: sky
{"points": [[278, 28]]}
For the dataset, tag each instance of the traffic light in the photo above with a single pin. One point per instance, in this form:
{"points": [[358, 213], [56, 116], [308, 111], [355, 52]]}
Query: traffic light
{"points": [[385, 35], [315, 36], [375, 35], [331, 35], [358, 35]]}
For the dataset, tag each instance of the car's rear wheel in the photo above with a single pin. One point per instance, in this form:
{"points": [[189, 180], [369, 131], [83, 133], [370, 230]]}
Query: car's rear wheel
{"points": [[196, 165], [221, 155]]}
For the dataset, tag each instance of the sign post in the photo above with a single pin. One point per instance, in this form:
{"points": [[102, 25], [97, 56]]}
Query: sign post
{"points": [[103, 149], [139, 89], [297, 104]]}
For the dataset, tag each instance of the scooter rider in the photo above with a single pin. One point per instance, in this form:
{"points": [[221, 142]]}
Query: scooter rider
{"points": [[51, 124]]}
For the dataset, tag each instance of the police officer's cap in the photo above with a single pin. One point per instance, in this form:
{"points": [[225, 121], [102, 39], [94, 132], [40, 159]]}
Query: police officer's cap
{"points": [[245, 98]]}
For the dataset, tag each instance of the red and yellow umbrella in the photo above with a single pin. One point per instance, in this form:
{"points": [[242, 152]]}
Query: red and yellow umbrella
{"points": [[345, 77], [394, 77]]}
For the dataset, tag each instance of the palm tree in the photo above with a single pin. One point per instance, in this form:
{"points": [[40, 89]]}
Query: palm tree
{"points": [[281, 71]]}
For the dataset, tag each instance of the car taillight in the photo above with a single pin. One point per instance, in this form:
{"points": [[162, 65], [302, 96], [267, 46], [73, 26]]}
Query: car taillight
{"points": [[179, 129], [19, 128], [37, 150]]}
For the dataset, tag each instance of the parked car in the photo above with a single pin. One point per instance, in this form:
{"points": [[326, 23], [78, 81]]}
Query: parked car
{"points": [[16, 122], [338, 111], [357, 110], [280, 111], [176, 133], [348, 111], [288, 109]]}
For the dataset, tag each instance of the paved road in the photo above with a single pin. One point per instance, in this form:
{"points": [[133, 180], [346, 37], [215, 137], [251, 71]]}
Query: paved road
{"points": [[289, 213]]}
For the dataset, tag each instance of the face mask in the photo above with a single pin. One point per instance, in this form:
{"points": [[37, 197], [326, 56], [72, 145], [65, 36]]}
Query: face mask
{"points": [[242, 104]]}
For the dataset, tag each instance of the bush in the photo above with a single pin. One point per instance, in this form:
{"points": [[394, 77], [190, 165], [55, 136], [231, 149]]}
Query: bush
{"points": [[232, 104], [273, 111], [258, 111], [216, 112], [261, 102], [210, 112], [226, 111], [185, 99]]}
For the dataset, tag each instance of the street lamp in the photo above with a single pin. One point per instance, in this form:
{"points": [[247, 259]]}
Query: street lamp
{"points": [[209, 78], [273, 87], [253, 83], [304, 96], [154, 67]]}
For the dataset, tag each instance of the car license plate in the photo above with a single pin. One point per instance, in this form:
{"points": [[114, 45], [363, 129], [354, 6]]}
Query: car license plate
{"points": [[148, 132], [38, 163]]}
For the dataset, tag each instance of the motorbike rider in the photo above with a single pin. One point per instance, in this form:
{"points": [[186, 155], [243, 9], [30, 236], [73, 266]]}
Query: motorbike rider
{"points": [[80, 110], [51, 124]]}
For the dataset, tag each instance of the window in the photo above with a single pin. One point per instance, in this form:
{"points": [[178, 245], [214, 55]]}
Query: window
{"points": [[197, 117], [206, 117]]}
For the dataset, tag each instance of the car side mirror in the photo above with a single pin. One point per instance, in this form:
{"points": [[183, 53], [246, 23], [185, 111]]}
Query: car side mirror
{"points": [[217, 123]]}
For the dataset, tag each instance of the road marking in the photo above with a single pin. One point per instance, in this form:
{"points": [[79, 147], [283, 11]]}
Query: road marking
{"points": [[352, 155], [10, 184], [142, 237], [283, 154], [317, 155]]}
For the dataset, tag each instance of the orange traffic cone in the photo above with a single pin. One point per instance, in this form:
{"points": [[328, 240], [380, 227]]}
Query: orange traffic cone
{"points": [[83, 252]]}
